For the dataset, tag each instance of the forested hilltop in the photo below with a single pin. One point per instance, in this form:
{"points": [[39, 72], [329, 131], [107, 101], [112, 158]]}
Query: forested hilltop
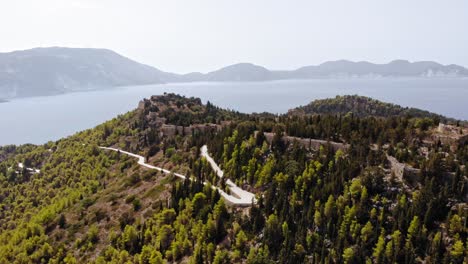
{"points": [[361, 106], [331, 187]]}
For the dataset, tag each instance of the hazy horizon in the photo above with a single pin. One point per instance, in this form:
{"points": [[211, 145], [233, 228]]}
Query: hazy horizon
{"points": [[243, 62], [205, 35]]}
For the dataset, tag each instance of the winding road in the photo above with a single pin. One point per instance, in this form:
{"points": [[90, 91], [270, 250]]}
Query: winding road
{"points": [[244, 197], [239, 196]]}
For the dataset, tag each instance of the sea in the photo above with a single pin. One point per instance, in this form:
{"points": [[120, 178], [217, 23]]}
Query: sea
{"points": [[38, 120]]}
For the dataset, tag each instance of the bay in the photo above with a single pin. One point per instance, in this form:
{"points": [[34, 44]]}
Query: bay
{"points": [[40, 119]]}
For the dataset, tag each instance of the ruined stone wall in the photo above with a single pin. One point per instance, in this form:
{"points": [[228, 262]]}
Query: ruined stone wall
{"points": [[402, 170], [310, 143], [172, 130]]}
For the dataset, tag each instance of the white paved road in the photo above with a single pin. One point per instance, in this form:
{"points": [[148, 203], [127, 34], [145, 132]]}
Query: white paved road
{"points": [[244, 197], [239, 198]]}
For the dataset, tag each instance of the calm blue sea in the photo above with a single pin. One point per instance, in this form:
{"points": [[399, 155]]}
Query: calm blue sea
{"points": [[40, 119]]}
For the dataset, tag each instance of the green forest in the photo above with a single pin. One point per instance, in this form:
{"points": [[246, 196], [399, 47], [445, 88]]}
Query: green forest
{"points": [[326, 185], [362, 106]]}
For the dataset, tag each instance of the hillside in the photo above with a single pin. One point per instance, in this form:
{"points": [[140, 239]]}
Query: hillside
{"points": [[328, 188], [46, 71], [360, 106]]}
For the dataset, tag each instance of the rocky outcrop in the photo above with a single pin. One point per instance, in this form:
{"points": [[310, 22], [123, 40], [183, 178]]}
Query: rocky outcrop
{"points": [[402, 170], [449, 135]]}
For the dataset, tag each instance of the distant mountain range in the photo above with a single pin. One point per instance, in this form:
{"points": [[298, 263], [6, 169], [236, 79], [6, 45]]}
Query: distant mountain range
{"points": [[47, 71]]}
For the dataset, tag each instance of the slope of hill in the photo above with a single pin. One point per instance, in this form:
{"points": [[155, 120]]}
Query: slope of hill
{"points": [[46, 71], [390, 191], [360, 106]]}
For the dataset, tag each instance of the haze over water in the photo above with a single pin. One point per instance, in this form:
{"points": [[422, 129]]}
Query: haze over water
{"points": [[40, 119]]}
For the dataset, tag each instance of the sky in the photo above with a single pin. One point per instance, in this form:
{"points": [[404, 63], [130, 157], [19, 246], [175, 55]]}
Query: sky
{"points": [[204, 35]]}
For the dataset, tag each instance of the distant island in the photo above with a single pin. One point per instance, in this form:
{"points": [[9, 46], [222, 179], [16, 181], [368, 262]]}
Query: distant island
{"points": [[57, 70]]}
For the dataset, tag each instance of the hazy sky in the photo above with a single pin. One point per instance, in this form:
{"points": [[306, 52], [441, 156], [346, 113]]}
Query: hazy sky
{"points": [[203, 35]]}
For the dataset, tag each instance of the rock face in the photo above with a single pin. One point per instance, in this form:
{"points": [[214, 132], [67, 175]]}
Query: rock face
{"points": [[402, 170]]}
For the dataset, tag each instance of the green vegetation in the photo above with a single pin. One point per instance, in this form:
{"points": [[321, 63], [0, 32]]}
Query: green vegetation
{"points": [[315, 205], [361, 106]]}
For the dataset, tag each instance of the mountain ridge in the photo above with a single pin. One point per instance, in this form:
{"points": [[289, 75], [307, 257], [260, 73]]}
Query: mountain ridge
{"points": [[56, 70], [48, 71]]}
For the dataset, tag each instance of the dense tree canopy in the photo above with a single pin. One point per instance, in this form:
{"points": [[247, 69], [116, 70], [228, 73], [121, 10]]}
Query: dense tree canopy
{"points": [[323, 204]]}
